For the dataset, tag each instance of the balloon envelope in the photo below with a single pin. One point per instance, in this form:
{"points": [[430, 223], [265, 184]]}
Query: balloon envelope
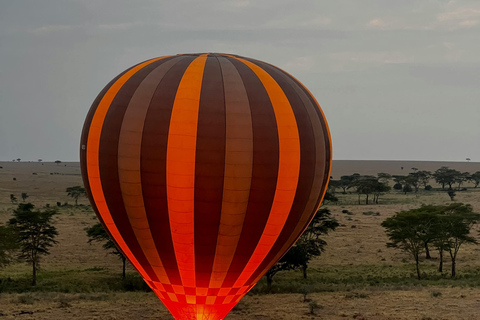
{"points": [[204, 169]]}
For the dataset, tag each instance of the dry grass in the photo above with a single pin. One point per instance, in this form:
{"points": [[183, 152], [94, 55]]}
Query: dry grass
{"points": [[356, 278]]}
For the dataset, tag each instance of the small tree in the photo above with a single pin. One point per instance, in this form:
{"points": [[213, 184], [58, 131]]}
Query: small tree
{"points": [[475, 178], [308, 246], [368, 185], [24, 196], [407, 232], [445, 175], [458, 219], [13, 199], [58, 162], [35, 234], [76, 192], [97, 233]]}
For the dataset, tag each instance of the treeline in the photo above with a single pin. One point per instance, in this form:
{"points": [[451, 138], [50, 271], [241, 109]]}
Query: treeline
{"points": [[372, 187]]}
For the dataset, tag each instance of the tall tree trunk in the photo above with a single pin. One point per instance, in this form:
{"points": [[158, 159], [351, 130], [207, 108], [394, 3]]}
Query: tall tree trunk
{"points": [[269, 282], [124, 260], [440, 266], [366, 199], [427, 251], [304, 270], [418, 269], [453, 268], [34, 273]]}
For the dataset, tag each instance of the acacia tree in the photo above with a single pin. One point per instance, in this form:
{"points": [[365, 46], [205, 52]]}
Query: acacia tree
{"points": [[35, 234], [457, 219], [346, 182], [97, 233], [475, 178], [461, 178], [424, 177], [369, 185], [308, 246], [76, 192], [407, 231], [445, 175]]}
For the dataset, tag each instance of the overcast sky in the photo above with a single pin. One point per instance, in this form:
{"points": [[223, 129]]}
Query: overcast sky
{"points": [[397, 80]]}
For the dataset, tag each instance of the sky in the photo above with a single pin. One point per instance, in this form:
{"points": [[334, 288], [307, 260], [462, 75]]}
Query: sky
{"points": [[397, 80]]}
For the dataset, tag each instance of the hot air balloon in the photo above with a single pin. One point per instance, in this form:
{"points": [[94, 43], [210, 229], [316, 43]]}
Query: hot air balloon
{"points": [[204, 169]]}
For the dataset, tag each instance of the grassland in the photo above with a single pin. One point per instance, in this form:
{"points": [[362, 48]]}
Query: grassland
{"points": [[356, 278]]}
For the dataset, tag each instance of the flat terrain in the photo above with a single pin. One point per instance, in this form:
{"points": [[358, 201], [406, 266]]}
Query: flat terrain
{"points": [[356, 278]]}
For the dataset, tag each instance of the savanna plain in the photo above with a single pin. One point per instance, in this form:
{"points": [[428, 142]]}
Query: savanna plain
{"points": [[357, 277]]}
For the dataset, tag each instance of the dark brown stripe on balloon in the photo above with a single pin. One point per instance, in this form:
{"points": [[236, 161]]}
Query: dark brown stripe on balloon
{"points": [[84, 146], [209, 170], [264, 172], [326, 136], [154, 152], [307, 164], [108, 163]]}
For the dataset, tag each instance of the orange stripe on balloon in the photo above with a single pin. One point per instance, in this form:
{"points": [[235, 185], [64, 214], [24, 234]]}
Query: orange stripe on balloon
{"points": [[92, 163], [310, 207], [238, 171], [181, 145], [129, 171], [288, 170]]}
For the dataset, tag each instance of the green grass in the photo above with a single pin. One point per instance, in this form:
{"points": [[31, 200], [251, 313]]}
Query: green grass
{"points": [[73, 281], [357, 277]]}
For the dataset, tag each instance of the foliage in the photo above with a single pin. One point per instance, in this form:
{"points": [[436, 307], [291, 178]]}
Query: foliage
{"points": [[346, 182], [7, 245], [446, 226], [406, 231], [13, 199], [97, 233], [76, 192], [475, 178], [35, 234], [24, 196], [309, 245], [445, 175], [368, 185]]}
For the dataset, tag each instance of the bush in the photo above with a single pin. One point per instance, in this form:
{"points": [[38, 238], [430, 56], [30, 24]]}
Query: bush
{"points": [[436, 294], [347, 212], [314, 306], [371, 213], [428, 187], [397, 186]]}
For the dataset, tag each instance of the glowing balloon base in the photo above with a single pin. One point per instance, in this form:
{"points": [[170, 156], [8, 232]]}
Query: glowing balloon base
{"points": [[199, 303], [204, 169]]}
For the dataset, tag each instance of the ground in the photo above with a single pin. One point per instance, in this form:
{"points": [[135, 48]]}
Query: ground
{"points": [[356, 278]]}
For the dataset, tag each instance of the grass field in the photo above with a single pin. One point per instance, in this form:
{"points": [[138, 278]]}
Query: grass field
{"points": [[356, 278]]}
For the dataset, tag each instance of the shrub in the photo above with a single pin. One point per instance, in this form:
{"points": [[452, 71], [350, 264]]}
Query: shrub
{"points": [[397, 186], [314, 306], [428, 187], [436, 294]]}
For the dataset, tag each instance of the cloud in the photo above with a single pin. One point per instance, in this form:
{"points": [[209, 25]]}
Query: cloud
{"points": [[47, 29], [377, 23], [459, 17]]}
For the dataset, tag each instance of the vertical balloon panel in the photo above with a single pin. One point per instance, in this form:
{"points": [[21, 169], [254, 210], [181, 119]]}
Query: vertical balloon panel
{"points": [[204, 169]]}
